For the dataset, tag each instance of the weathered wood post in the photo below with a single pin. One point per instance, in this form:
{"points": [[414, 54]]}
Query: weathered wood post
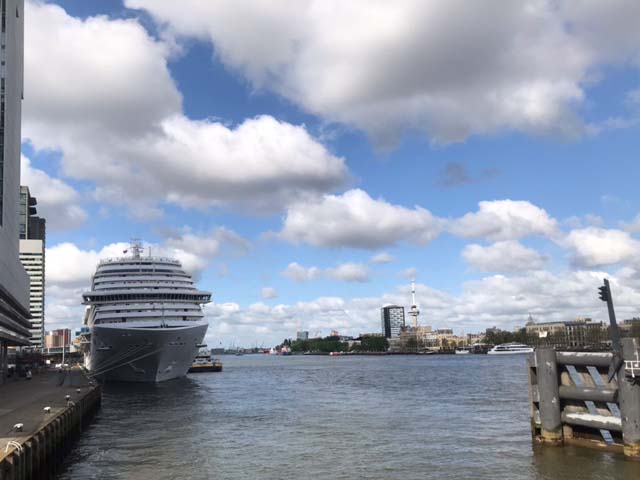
{"points": [[550, 419], [629, 397]]}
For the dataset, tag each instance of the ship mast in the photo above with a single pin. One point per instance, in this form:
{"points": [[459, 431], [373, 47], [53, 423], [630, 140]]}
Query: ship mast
{"points": [[136, 247]]}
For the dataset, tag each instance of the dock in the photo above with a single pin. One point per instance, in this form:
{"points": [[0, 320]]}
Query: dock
{"points": [[40, 419]]}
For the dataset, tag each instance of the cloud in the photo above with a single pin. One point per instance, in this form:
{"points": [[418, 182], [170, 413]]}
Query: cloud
{"points": [[349, 272], [506, 257], [58, 202], [67, 265], [354, 219], [382, 257], [633, 97], [592, 246], [455, 174], [268, 293], [132, 125], [298, 273], [450, 69], [505, 220], [409, 273], [345, 272], [495, 300], [633, 226]]}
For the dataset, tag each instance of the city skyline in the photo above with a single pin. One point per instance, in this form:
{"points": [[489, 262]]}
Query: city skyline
{"points": [[307, 183]]}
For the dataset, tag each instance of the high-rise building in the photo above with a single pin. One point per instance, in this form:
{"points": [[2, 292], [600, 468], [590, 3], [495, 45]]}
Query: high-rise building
{"points": [[32, 250], [304, 335], [392, 319], [14, 282]]}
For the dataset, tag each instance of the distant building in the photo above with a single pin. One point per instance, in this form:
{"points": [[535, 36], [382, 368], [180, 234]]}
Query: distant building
{"points": [[14, 282], [626, 326], [304, 335], [55, 340], [575, 333], [32, 250], [392, 319]]}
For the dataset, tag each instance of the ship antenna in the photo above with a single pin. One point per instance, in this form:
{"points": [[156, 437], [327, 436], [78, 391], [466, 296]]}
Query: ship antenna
{"points": [[136, 247]]}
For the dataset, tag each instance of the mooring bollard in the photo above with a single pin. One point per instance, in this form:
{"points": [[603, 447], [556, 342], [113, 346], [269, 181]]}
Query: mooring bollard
{"points": [[550, 419], [629, 397]]}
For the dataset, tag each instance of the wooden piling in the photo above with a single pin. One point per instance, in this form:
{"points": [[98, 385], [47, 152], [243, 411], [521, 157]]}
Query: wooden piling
{"points": [[550, 415], [629, 396]]}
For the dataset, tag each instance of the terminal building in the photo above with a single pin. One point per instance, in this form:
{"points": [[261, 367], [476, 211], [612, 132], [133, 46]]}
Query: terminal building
{"points": [[392, 319], [32, 250], [14, 281]]}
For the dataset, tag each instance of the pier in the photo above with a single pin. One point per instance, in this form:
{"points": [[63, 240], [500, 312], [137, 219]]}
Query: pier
{"points": [[40, 419], [576, 398]]}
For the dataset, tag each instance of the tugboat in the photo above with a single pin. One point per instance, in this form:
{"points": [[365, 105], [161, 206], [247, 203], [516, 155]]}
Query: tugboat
{"points": [[204, 363]]}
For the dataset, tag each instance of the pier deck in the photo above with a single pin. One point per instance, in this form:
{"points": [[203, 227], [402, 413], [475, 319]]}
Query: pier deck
{"points": [[45, 436]]}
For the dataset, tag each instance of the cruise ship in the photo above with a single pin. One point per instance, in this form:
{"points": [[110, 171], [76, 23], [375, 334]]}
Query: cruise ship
{"points": [[144, 318], [510, 349]]}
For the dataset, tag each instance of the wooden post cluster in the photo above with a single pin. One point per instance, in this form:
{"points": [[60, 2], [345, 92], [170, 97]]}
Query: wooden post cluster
{"points": [[40, 455], [572, 400]]}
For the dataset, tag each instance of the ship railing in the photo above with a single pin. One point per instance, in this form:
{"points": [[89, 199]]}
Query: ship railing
{"points": [[106, 261]]}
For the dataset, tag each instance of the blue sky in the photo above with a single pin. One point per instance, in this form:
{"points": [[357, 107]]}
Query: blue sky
{"points": [[244, 140]]}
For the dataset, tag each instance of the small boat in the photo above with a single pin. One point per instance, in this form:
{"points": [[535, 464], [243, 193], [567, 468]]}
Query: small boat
{"points": [[335, 354], [463, 350], [204, 363], [510, 349]]}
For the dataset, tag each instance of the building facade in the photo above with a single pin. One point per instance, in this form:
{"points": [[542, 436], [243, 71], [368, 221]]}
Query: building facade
{"points": [[32, 256], [14, 282], [58, 342], [304, 335], [567, 334], [392, 319]]}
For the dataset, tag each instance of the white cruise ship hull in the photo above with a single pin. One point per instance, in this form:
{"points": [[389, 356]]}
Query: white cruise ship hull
{"points": [[510, 352], [143, 351]]}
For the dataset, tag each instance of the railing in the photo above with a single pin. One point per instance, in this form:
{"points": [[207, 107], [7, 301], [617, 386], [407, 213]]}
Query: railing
{"points": [[573, 400], [106, 261]]}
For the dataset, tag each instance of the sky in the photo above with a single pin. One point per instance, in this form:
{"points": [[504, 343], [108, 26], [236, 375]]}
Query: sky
{"points": [[306, 159]]}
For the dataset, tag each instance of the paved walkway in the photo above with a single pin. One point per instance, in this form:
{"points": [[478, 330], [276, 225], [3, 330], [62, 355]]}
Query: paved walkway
{"points": [[23, 401]]}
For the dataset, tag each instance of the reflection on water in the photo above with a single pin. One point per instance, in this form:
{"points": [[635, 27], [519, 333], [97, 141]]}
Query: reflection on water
{"points": [[462, 417]]}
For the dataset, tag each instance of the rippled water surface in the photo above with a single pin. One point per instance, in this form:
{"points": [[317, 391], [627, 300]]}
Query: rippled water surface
{"points": [[400, 417]]}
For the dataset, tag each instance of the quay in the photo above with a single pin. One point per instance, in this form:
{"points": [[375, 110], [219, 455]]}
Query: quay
{"points": [[575, 398], [40, 419]]}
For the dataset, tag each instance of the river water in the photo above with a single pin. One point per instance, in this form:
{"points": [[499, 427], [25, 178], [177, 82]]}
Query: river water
{"points": [[391, 417]]}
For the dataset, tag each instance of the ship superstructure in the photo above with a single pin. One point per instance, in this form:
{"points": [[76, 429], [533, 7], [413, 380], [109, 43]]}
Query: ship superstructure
{"points": [[145, 319]]}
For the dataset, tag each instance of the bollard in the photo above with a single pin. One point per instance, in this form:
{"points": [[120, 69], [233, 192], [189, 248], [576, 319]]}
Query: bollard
{"points": [[629, 397], [549, 396]]}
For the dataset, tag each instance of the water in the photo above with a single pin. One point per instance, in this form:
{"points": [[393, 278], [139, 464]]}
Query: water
{"points": [[268, 417]]}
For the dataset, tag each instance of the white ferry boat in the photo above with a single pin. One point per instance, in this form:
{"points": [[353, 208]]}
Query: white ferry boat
{"points": [[145, 319], [463, 350], [510, 349]]}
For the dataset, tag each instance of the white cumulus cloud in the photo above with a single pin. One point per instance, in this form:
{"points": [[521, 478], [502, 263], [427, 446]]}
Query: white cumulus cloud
{"points": [[120, 109], [505, 220], [349, 272], [592, 246], [505, 256], [58, 202], [451, 69], [354, 219]]}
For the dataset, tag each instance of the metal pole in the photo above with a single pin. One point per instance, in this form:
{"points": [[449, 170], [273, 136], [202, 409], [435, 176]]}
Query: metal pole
{"points": [[616, 361], [548, 388], [629, 397]]}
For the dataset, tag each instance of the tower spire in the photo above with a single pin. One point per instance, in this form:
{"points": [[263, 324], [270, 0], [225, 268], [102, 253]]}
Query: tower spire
{"points": [[414, 312]]}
